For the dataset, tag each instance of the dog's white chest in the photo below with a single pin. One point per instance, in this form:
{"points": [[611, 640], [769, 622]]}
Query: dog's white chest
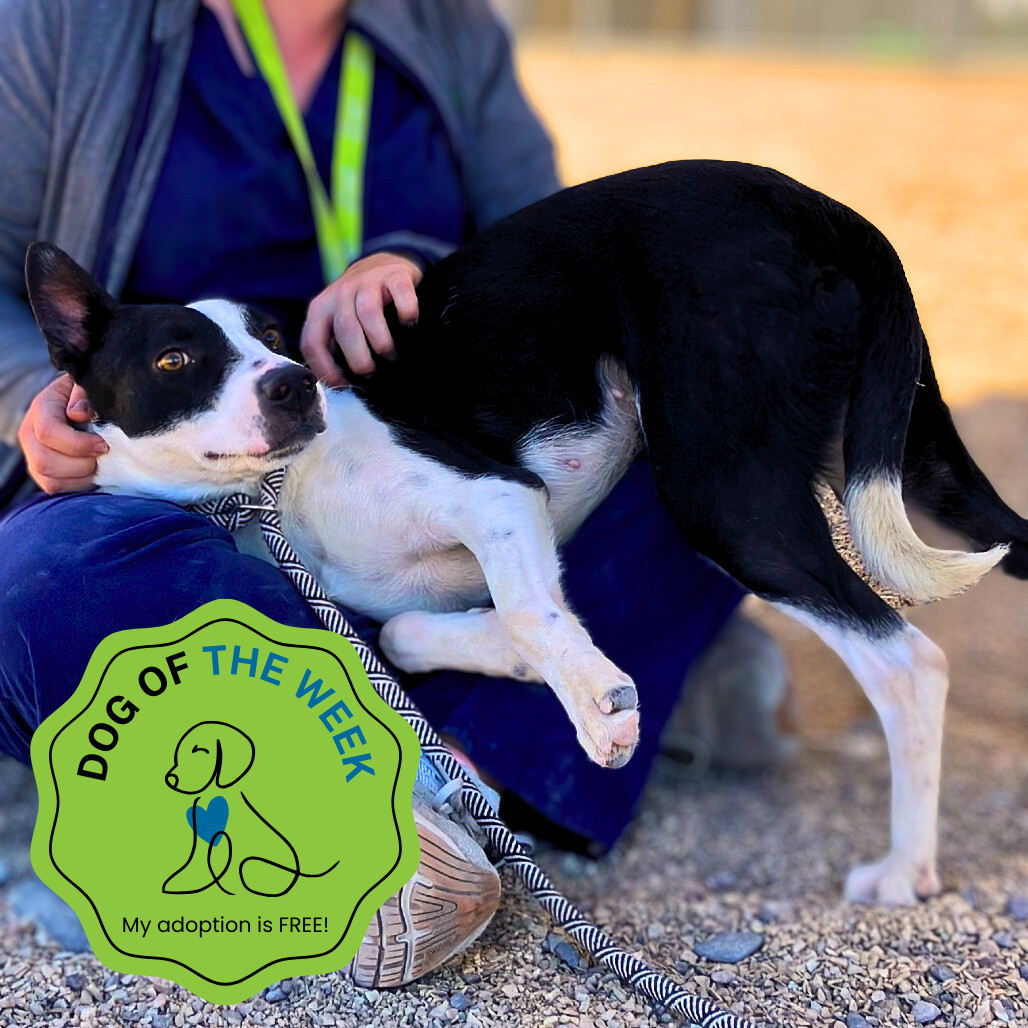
{"points": [[364, 514], [370, 517]]}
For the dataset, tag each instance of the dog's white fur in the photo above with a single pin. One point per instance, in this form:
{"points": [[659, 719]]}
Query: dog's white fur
{"points": [[897, 557]]}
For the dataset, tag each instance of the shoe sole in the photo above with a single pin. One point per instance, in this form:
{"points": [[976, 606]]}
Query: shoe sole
{"points": [[440, 911]]}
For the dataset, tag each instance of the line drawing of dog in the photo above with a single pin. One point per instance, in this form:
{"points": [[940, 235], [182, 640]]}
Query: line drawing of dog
{"points": [[214, 754], [740, 326]]}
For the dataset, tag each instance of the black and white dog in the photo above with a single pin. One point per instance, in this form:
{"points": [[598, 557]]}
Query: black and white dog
{"points": [[740, 326]]}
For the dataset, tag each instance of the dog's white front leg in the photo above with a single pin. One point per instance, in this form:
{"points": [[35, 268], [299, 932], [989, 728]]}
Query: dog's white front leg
{"points": [[475, 641], [507, 528]]}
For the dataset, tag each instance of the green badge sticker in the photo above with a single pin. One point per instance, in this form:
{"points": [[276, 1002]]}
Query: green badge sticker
{"points": [[225, 801]]}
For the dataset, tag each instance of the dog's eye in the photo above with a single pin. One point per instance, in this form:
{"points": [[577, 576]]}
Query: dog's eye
{"points": [[273, 338], [172, 360], [200, 749]]}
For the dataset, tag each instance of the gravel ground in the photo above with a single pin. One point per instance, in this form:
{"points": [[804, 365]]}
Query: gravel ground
{"points": [[707, 855]]}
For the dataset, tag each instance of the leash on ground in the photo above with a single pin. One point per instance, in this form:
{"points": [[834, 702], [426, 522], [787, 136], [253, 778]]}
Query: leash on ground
{"points": [[232, 513]]}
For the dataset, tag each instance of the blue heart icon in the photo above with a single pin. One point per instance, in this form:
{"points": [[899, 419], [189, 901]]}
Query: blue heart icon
{"points": [[210, 821]]}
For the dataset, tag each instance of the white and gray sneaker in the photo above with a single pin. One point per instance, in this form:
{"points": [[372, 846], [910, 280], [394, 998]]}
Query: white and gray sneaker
{"points": [[444, 907]]}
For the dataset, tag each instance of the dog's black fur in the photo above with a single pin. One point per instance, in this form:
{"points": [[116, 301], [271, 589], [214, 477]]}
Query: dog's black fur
{"points": [[754, 315]]}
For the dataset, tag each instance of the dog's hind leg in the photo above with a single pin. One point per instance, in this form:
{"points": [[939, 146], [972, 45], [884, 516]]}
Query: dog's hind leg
{"points": [[785, 555], [904, 675], [470, 640]]}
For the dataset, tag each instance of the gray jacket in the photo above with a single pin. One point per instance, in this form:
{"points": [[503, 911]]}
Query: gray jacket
{"points": [[71, 76]]}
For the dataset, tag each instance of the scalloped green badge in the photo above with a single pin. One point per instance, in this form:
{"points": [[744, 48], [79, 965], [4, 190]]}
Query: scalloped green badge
{"points": [[225, 801]]}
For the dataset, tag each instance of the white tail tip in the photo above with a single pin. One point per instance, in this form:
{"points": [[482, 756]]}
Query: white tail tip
{"points": [[897, 557]]}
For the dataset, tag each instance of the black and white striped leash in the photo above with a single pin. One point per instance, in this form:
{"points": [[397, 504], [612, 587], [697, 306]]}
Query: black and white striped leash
{"points": [[232, 513]]}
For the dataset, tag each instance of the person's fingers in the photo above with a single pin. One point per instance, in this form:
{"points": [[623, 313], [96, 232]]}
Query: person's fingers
{"points": [[405, 299], [46, 422], [78, 407], [54, 435], [54, 471], [315, 344], [369, 304], [350, 335]]}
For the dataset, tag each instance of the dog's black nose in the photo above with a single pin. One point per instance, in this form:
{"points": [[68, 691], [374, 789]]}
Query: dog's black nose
{"points": [[289, 388], [172, 779]]}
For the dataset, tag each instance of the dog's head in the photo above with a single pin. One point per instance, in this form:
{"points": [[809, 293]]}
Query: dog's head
{"points": [[211, 753], [192, 401]]}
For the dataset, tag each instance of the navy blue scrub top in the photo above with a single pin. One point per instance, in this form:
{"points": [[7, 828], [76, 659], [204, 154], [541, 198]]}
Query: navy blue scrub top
{"points": [[231, 214]]}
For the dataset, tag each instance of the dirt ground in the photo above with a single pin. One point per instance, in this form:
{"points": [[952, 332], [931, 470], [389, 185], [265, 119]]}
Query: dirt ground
{"points": [[938, 158]]}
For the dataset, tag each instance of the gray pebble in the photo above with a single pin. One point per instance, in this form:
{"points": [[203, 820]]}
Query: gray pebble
{"points": [[131, 1016], [161, 1021], [471, 978], [1004, 940], [1024, 972], [274, 995], [854, 1020], [729, 947], [459, 1001], [941, 973], [76, 981], [32, 899], [721, 881], [925, 1013], [566, 952], [1017, 908], [722, 977]]}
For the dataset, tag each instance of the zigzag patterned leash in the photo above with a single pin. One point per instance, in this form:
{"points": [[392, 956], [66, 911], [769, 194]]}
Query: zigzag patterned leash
{"points": [[232, 512]]}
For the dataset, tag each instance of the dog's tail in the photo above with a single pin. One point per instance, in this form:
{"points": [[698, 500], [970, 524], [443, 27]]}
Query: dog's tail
{"points": [[898, 433], [941, 476]]}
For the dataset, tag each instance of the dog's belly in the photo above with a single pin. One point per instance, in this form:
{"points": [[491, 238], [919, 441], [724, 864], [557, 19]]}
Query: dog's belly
{"points": [[581, 465]]}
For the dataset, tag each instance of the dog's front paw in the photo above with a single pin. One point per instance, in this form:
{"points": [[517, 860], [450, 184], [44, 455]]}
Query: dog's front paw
{"points": [[892, 883], [609, 732]]}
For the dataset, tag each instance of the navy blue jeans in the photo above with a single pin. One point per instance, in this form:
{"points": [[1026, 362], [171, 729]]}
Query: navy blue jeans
{"points": [[78, 567]]}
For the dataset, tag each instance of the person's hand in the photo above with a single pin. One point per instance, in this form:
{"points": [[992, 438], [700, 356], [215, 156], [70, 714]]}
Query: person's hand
{"points": [[60, 459], [348, 315]]}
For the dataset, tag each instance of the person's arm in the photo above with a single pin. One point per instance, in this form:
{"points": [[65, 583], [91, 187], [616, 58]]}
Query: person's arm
{"points": [[508, 163], [35, 405], [508, 157], [29, 33]]}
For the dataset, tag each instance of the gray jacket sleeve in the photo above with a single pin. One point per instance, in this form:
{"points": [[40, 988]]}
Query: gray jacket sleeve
{"points": [[509, 159], [28, 40]]}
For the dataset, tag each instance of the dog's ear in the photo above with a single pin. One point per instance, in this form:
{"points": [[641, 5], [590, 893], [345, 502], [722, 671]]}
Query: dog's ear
{"points": [[235, 756], [71, 308]]}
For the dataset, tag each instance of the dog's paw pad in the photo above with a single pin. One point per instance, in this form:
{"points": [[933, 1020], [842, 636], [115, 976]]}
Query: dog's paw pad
{"points": [[621, 697]]}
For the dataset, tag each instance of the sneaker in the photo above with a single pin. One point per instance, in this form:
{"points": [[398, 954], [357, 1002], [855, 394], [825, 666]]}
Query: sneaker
{"points": [[437, 914], [734, 705]]}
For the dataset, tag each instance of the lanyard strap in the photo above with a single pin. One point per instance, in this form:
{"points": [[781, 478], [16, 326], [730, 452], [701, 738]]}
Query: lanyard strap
{"points": [[339, 219]]}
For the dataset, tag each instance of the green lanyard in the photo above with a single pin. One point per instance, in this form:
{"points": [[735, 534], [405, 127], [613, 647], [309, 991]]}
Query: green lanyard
{"points": [[339, 219]]}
